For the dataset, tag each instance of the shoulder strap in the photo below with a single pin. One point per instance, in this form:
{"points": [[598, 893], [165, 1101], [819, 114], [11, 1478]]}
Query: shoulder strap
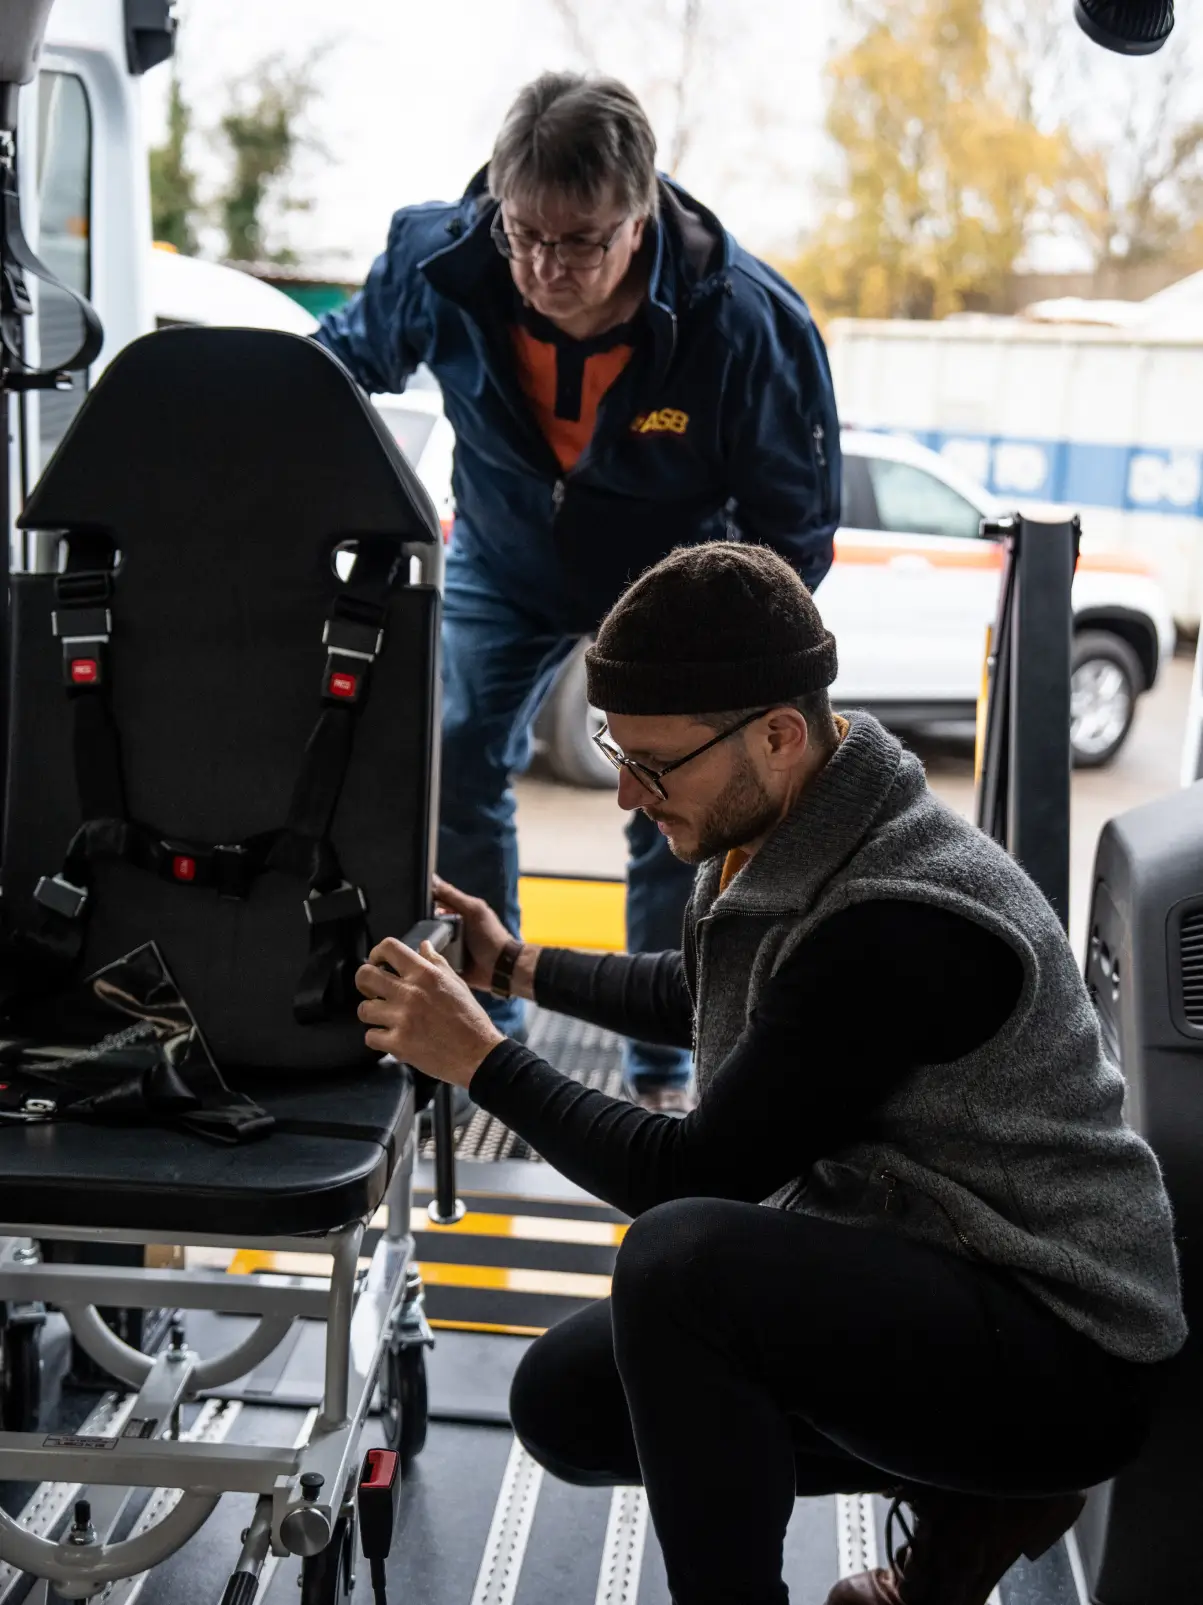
{"points": [[18, 260], [335, 910]]}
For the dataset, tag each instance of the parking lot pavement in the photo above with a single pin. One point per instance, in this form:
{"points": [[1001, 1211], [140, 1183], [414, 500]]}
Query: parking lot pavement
{"points": [[564, 830]]}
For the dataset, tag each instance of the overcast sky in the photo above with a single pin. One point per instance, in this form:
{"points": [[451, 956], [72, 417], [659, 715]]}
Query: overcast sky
{"points": [[412, 92]]}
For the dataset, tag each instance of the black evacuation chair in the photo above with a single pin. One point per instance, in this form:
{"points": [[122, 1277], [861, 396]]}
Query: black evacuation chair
{"points": [[220, 747]]}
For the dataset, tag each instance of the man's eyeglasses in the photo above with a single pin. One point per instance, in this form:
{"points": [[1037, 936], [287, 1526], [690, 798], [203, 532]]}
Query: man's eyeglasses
{"points": [[653, 778], [523, 245]]}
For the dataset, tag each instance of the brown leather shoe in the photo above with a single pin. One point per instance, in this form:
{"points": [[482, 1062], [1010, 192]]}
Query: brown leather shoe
{"points": [[960, 1548], [663, 1100]]}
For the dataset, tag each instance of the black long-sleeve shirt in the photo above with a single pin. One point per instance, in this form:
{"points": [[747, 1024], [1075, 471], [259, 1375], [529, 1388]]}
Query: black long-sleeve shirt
{"points": [[875, 991]]}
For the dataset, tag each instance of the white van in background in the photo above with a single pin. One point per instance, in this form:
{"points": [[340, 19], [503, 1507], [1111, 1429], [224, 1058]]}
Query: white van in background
{"points": [[185, 289]]}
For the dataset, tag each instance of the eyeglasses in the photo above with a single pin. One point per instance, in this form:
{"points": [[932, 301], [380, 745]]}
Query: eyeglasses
{"points": [[522, 245], [651, 778]]}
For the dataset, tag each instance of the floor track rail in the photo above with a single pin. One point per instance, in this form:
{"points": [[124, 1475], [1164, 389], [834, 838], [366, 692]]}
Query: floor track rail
{"points": [[505, 1548]]}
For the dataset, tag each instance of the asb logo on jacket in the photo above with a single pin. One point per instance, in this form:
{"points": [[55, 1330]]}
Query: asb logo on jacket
{"points": [[667, 421]]}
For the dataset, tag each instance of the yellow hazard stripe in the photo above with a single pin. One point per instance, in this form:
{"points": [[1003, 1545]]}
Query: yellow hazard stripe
{"points": [[524, 1228], [527, 1228], [568, 913], [281, 1263], [504, 1328], [499, 1278], [983, 702]]}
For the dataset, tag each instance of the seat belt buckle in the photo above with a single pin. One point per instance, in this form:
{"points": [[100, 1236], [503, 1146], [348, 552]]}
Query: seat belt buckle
{"points": [[60, 896], [378, 1497], [84, 633], [179, 862], [352, 638], [352, 646], [346, 902], [344, 681]]}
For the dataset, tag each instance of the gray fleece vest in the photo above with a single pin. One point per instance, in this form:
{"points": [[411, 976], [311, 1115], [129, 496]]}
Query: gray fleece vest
{"points": [[1017, 1153]]}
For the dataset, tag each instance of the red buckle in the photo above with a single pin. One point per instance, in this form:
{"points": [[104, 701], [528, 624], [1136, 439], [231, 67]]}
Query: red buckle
{"points": [[84, 671], [381, 1467], [377, 1499], [183, 868], [343, 685]]}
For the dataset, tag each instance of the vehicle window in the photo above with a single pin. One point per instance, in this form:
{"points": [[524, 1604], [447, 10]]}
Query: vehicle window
{"points": [[910, 501], [856, 502], [411, 431], [64, 183]]}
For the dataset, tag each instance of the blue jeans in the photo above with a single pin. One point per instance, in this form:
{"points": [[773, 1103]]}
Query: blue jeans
{"points": [[498, 664]]}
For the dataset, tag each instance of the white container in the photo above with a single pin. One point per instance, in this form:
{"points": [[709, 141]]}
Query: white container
{"points": [[1105, 421]]}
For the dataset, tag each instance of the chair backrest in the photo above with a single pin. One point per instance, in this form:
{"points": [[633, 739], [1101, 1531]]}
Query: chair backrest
{"points": [[228, 466]]}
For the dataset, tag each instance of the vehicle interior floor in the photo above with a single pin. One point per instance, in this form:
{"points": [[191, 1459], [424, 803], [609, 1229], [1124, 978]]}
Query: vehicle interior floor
{"points": [[480, 1523]]}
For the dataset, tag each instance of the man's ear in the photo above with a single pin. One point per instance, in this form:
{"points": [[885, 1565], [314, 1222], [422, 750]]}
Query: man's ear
{"points": [[638, 232], [789, 736]]}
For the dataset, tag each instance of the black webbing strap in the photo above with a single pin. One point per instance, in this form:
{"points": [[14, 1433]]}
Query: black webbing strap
{"points": [[336, 910], [353, 637], [192, 1096], [18, 260], [301, 848], [82, 623]]}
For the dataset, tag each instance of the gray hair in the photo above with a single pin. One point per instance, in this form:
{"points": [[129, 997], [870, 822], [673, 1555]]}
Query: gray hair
{"points": [[579, 137]]}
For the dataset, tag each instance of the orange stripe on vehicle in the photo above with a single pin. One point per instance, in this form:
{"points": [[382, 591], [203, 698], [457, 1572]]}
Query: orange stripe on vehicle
{"points": [[987, 557], [1114, 563]]}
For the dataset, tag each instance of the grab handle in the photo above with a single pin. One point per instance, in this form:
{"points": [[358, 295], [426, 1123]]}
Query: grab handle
{"points": [[445, 934]]}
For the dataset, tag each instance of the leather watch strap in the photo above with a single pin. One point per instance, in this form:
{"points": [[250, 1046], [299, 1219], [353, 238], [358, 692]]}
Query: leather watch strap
{"points": [[503, 970]]}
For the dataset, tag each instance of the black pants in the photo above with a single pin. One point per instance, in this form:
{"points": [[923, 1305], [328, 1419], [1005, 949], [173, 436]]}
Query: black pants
{"points": [[748, 1355]]}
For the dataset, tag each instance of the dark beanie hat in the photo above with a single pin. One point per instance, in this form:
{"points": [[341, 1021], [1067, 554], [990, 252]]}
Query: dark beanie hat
{"points": [[710, 629]]}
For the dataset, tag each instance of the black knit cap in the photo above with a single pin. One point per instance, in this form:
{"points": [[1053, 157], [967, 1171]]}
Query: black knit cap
{"points": [[710, 629]]}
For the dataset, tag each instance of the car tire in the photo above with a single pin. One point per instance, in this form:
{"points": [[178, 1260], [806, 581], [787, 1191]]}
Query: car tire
{"points": [[567, 726], [1107, 678]]}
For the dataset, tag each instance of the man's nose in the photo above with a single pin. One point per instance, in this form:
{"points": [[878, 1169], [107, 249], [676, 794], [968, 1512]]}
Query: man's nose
{"points": [[632, 793], [547, 265]]}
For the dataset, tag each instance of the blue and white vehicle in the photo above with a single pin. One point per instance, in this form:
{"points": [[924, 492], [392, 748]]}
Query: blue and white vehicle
{"points": [[1105, 420]]}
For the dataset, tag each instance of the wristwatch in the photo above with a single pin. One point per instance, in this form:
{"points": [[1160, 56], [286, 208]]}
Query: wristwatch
{"points": [[503, 971]]}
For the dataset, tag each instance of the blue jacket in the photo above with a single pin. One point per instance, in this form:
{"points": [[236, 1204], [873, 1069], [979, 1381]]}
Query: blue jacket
{"points": [[723, 424]]}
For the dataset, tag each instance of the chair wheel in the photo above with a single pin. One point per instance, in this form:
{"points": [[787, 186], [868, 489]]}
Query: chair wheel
{"points": [[328, 1578], [20, 1376], [403, 1394]]}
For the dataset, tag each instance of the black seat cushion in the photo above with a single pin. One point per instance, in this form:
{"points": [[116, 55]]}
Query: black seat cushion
{"points": [[332, 1167]]}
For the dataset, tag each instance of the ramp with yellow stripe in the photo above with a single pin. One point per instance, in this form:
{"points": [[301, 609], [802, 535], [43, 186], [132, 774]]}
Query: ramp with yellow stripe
{"points": [[516, 1264]]}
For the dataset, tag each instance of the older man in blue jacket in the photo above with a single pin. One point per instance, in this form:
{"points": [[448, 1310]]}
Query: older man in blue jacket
{"points": [[622, 378]]}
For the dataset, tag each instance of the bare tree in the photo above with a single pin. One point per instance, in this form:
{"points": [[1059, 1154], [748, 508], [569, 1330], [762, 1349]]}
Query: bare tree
{"points": [[656, 31], [1135, 190], [1143, 186], [569, 14], [682, 126]]}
